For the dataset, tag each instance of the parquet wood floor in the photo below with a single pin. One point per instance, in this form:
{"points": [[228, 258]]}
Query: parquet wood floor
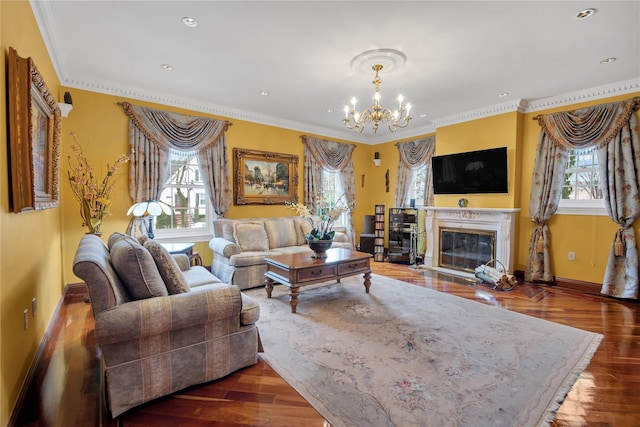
{"points": [[65, 389]]}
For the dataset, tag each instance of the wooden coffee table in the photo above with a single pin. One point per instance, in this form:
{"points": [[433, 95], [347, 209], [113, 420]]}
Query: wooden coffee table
{"points": [[297, 270]]}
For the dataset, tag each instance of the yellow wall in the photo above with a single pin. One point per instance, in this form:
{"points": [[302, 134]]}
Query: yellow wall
{"points": [[30, 242], [491, 132]]}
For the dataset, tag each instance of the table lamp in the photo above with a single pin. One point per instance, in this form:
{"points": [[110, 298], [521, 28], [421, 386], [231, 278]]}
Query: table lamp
{"points": [[150, 208]]}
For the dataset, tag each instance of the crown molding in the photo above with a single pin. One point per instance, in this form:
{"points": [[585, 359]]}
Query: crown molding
{"points": [[600, 92], [479, 113]]}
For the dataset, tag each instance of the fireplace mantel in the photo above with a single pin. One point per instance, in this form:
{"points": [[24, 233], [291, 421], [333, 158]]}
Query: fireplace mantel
{"points": [[499, 220]]}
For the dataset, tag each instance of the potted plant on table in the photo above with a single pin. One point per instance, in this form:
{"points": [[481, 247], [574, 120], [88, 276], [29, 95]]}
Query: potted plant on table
{"points": [[322, 216]]}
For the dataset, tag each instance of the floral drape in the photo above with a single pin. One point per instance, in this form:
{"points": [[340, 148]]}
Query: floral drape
{"points": [[412, 155], [322, 154], [612, 129], [154, 134]]}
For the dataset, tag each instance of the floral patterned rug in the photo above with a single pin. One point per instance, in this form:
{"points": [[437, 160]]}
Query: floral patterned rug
{"points": [[409, 356]]}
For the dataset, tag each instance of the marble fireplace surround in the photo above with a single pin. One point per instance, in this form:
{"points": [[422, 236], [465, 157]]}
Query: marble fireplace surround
{"points": [[499, 220]]}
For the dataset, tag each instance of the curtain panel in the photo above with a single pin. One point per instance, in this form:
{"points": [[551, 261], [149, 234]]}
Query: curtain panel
{"points": [[322, 154], [155, 134], [611, 129], [412, 155]]}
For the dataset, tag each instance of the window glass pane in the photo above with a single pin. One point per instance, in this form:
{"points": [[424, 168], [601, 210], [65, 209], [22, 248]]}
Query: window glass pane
{"points": [[582, 177], [184, 192], [332, 190]]}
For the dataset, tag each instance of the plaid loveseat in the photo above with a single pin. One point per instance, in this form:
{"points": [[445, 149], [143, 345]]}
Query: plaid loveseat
{"points": [[242, 244]]}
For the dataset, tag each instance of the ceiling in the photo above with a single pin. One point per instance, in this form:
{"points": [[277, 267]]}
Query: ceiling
{"points": [[459, 55]]}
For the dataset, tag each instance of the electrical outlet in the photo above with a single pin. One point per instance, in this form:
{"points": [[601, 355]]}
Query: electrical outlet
{"points": [[33, 307], [572, 256], [26, 319]]}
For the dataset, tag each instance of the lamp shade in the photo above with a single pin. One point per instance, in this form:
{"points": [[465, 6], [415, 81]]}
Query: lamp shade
{"points": [[149, 208]]}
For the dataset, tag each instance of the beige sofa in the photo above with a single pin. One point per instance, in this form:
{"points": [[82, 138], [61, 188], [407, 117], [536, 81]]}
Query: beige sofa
{"points": [[161, 325], [242, 244]]}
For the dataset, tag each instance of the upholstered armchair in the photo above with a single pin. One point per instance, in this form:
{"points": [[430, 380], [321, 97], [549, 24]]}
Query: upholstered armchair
{"points": [[160, 324]]}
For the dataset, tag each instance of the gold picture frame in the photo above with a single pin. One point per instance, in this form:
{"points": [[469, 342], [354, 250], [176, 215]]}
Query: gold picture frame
{"points": [[34, 137], [264, 178]]}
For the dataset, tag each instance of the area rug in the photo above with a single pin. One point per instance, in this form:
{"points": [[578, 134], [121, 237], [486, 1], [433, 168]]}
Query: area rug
{"points": [[405, 356]]}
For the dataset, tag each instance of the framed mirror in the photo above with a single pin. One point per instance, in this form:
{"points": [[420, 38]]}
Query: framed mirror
{"points": [[34, 137]]}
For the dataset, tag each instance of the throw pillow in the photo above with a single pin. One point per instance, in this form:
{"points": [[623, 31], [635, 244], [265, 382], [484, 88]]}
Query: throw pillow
{"points": [[168, 267], [250, 236], [137, 269], [117, 236], [281, 232]]}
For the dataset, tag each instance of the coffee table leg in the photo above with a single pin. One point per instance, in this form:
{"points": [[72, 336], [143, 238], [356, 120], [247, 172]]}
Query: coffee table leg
{"points": [[293, 298], [367, 281], [269, 287]]}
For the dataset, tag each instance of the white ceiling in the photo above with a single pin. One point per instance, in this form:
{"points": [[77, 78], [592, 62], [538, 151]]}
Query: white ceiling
{"points": [[460, 55]]}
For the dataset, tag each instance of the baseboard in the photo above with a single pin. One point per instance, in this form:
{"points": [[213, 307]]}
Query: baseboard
{"points": [[53, 328], [565, 283], [578, 285]]}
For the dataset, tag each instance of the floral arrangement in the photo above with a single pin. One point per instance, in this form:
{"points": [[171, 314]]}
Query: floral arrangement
{"points": [[322, 215], [91, 193]]}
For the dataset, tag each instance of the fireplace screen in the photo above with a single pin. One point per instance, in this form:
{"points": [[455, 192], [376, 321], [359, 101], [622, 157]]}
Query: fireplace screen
{"points": [[464, 249]]}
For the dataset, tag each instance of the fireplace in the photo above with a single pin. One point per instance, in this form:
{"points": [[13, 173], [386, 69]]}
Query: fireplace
{"points": [[460, 239], [466, 249]]}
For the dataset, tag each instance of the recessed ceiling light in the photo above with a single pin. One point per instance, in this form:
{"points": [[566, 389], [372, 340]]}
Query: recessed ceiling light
{"points": [[167, 67], [189, 22], [263, 93], [585, 13], [608, 60], [423, 115], [503, 94], [329, 110]]}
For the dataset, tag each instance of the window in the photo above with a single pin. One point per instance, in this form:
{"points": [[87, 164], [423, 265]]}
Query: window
{"points": [[184, 191], [418, 186], [581, 192], [332, 190]]}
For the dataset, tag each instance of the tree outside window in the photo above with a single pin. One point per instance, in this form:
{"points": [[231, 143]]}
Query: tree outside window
{"points": [[184, 191]]}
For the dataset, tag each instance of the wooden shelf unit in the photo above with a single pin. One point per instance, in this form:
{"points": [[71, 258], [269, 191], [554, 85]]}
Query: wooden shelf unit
{"points": [[378, 242]]}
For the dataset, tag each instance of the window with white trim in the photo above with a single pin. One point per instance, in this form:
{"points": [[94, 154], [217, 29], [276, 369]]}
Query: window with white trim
{"points": [[581, 191], [332, 190], [184, 191], [418, 186]]}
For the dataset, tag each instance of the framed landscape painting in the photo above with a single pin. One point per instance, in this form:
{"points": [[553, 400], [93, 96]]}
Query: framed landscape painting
{"points": [[264, 178], [34, 137]]}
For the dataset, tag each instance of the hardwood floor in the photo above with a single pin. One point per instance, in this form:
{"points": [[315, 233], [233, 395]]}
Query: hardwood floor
{"points": [[65, 387]]}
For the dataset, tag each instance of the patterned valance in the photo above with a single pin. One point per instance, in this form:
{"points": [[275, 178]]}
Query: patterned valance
{"points": [[173, 131], [588, 127], [330, 154], [416, 153]]}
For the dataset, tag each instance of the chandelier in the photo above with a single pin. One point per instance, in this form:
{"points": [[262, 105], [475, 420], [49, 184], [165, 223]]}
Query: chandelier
{"points": [[376, 114]]}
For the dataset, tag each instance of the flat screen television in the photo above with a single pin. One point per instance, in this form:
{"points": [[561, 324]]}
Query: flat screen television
{"points": [[473, 172]]}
